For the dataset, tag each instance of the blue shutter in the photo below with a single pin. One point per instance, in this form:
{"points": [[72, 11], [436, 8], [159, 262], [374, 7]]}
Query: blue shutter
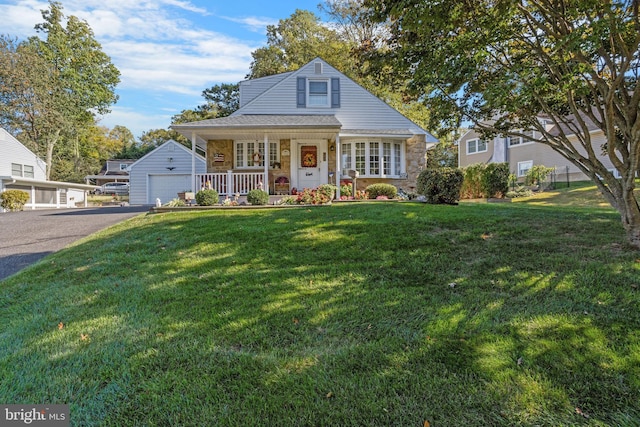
{"points": [[335, 92], [302, 92]]}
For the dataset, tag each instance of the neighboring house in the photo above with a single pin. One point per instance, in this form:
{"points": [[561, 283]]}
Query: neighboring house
{"points": [[523, 153], [114, 170], [21, 169], [163, 173], [305, 128]]}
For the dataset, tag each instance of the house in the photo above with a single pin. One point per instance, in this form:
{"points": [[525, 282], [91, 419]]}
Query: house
{"points": [[522, 153], [21, 169], [163, 173], [306, 128], [114, 170]]}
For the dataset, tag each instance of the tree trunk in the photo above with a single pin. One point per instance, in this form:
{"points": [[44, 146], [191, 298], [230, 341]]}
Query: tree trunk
{"points": [[50, 142], [630, 213]]}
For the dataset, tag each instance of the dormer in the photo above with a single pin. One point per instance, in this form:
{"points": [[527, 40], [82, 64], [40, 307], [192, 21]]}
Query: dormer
{"points": [[318, 90]]}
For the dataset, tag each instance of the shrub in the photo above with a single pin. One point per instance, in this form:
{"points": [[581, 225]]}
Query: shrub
{"points": [[289, 200], [312, 197], [176, 203], [519, 191], [207, 197], [440, 185], [472, 185], [495, 179], [258, 197], [328, 190], [537, 174], [382, 189], [345, 189], [14, 200]]}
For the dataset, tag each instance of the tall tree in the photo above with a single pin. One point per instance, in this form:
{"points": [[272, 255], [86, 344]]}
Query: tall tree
{"points": [[503, 63], [297, 40], [72, 79], [346, 42]]}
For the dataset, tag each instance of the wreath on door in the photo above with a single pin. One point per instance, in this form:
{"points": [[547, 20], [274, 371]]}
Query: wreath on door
{"points": [[309, 160]]}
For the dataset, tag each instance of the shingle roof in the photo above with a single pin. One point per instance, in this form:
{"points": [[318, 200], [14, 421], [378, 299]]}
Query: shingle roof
{"points": [[264, 120]]}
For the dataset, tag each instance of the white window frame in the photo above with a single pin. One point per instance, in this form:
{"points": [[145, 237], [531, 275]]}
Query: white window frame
{"points": [[312, 99], [28, 171], [522, 171], [243, 159], [476, 145], [368, 156], [16, 169]]}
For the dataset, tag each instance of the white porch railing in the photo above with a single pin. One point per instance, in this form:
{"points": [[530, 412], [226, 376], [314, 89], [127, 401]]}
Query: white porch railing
{"points": [[231, 183]]}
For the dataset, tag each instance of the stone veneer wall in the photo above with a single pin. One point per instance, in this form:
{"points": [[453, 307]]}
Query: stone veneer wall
{"points": [[225, 147], [415, 154], [221, 146]]}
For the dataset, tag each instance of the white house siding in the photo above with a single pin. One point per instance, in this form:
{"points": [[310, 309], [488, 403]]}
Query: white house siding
{"points": [[156, 163], [359, 109], [12, 151]]}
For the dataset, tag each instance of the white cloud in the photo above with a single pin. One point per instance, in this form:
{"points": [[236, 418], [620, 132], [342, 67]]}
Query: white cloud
{"points": [[164, 55]]}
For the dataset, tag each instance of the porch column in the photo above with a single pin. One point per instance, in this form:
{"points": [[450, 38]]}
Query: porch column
{"points": [[265, 182], [33, 197], [194, 188], [338, 172]]}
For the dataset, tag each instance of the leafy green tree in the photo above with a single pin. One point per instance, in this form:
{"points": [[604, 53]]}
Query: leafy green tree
{"points": [[51, 88], [222, 99], [297, 40], [503, 64]]}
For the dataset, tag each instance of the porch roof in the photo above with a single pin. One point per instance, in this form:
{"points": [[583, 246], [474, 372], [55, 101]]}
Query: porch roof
{"points": [[255, 126]]}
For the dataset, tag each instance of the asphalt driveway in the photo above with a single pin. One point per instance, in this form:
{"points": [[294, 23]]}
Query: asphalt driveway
{"points": [[28, 236]]}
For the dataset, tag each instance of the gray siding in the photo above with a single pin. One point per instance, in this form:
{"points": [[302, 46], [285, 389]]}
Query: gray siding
{"points": [[539, 154], [156, 162], [12, 151], [251, 89], [359, 109]]}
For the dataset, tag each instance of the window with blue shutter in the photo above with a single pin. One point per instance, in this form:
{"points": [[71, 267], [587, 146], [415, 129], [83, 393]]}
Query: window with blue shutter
{"points": [[335, 92], [302, 92]]}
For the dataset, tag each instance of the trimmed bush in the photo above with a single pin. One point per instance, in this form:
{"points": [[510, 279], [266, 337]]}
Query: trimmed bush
{"points": [[14, 200], [382, 189], [440, 186], [495, 179], [472, 184], [208, 197], [258, 197]]}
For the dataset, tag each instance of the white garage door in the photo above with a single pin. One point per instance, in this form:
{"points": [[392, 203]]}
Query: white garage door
{"points": [[167, 187]]}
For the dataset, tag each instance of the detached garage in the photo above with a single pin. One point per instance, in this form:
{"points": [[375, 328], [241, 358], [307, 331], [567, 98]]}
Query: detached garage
{"points": [[162, 174]]}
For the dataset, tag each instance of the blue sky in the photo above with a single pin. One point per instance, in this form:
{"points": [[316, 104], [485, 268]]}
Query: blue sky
{"points": [[167, 51]]}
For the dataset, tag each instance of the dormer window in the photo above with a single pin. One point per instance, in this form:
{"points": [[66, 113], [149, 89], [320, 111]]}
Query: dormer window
{"points": [[318, 93]]}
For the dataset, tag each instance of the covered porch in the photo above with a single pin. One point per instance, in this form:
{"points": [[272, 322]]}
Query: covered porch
{"points": [[248, 152]]}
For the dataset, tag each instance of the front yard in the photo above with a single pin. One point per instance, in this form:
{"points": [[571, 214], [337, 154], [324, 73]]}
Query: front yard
{"points": [[351, 314]]}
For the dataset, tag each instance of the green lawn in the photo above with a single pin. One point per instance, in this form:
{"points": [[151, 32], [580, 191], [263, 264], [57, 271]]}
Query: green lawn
{"points": [[355, 314]]}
